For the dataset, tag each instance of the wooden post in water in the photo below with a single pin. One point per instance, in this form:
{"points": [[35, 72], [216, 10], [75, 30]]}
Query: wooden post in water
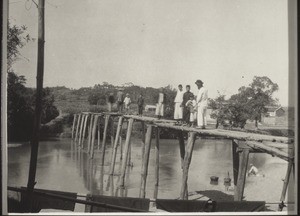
{"points": [[181, 146], [126, 147], [73, 127], [84, 130], [235, 161], [81, 129], [90, 133], [104, 138], [143, 138], [186, 163], [145, 161], [94, 135], [286, 181], [99, 134], [77, 127], [112, 130], [239, 190], [156, 162], [121, 147], [115, 147]]}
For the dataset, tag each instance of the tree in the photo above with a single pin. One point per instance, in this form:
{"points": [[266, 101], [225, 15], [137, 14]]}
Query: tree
{"points": [[259, 94], [17, 37], [20, 99], [249, 103]]}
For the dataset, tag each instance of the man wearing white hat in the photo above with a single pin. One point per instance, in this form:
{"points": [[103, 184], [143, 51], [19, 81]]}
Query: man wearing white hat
{"points": [[202, 100]]}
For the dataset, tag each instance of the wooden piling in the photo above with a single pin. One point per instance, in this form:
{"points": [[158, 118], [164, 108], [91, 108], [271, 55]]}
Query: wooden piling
{"points": [[99, 135], [90, 133], [121, 147], [84, 130], [143, 138], [94, 135], [181, 146], [112, 131], [156, 173], [145, 161], [186, 163], [104, 138], [239, 189], [286, 181], [129, 156], [126, 147], [73, 127], [77, 127], [81, 129], [235, 161], [115, 147]]}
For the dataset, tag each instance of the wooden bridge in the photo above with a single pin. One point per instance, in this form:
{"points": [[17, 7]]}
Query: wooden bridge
{"points": [[87, 128]]}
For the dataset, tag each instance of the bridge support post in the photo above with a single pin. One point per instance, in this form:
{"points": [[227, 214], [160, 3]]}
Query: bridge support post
{"points": [[84, 130], [143, 138], [156, 162], [286, 180], [81, 129], [77, 127], [99, 134], [90, 132], [186, 164], [235, 161], [181, 147], [121, 147], [239, 190], [144, 171], [126, 147], [74, 123], [95, 123], [104, 138], [115, 147], [112, 131]]}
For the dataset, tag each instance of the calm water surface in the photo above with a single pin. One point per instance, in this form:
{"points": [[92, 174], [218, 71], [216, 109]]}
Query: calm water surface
{"points": [[61, 166]]}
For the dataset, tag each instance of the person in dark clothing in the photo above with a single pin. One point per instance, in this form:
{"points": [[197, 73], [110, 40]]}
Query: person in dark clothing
{"points": [[120, 99], [140, 103], [186, 111], [111, 100]]}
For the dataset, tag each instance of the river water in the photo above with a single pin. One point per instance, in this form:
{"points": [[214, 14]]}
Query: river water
{"points": [[61, 166]]}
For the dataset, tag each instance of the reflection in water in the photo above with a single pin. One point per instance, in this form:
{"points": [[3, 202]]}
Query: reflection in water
{"points": [[64, 166]]}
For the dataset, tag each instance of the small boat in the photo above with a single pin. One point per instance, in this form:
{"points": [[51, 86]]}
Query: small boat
{"points": [[214, 178]]}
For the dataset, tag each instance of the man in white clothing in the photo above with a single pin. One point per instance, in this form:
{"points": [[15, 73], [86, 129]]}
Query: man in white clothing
{"points": [[178, 104], [202, 100]]}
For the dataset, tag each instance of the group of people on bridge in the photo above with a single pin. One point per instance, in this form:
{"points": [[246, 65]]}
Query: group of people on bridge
{"points": [[188, 108]]}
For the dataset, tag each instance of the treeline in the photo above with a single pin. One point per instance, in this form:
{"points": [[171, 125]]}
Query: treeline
{"points": [[95, 98]]}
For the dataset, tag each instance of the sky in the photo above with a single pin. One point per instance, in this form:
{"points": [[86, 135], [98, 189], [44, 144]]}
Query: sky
{"points": [[156, 43]]}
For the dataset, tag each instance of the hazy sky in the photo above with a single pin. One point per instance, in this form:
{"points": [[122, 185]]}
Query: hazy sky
{"points": [[225, 43]]}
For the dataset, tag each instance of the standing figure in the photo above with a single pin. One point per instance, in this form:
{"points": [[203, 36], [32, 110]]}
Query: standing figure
{"points": [[190, 104], [159, 112], [120, 99], [186, 110], [202, 100], [127, 102], [110, 101], [140, 103], [178, 105]]}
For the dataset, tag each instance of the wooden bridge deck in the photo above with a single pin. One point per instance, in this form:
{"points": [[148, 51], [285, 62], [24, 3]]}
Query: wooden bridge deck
{"points": [[243, 143]]}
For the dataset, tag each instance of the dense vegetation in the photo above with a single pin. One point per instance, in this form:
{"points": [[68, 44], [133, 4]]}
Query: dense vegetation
{"points": [[20, 99], [248, 104]]}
